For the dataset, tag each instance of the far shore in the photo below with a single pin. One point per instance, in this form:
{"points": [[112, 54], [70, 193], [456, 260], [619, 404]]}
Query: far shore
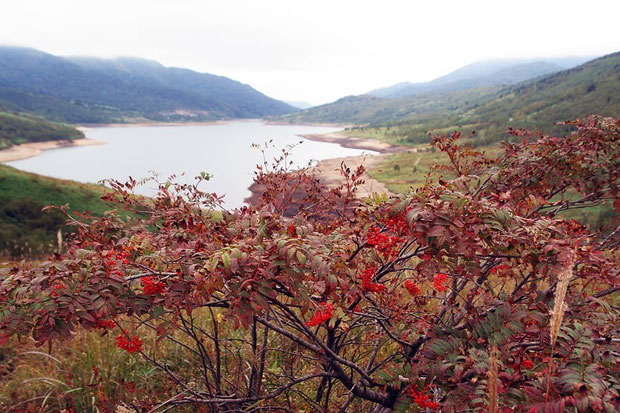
{"points": [[358, 143], [325, 124], [31, 149], [86, 126]]}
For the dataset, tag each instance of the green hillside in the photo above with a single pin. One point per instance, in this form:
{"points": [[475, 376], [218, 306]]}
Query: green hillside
{"points": [[18, 128], [593, 87], [26, 230], [87, 90], [484, 73]]}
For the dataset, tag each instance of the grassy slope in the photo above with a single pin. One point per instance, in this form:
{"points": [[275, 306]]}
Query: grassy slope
{"points": [[593, 87], [23, 225], [18, 128]]}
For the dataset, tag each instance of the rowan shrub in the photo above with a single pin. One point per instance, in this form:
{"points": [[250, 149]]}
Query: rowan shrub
{"points": [[472, 293]]}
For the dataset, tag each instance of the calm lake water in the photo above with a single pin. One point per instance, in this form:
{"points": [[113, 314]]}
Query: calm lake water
{"points": [[223, 150]]}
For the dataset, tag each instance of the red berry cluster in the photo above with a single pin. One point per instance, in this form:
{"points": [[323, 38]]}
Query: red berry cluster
{"points": [[413, 288], [527, 364], [113, 257], [322, 315], [440, 281], [105, 324], [56, 287], [423, 400], [382, 242], [129, 345], [150, 286], [122, 255], [292, 232], [367, 284], [398, 224]]}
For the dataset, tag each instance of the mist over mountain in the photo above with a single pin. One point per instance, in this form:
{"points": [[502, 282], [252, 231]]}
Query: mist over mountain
{"points": [[87, 89], [300, 105], [483, 73]]}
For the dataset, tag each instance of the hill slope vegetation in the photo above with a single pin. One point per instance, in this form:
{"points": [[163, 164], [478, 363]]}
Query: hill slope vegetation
{"points": [[16, 129], [100, 90], [27, 230], [593, 87]]}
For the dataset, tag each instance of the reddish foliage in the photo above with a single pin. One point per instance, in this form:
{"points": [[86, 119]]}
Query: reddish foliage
{"points": [[238, 290]]}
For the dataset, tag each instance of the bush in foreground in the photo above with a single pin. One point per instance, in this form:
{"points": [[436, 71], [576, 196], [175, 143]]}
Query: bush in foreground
{"points": [[468, 294]]}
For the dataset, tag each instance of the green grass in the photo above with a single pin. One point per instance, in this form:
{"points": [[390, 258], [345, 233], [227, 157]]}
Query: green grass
{"points": [[26, 230], [406, 170]]}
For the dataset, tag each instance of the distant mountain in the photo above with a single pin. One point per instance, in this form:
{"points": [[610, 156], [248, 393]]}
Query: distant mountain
{"points": [[484, 73], [593, 87], [83, 89], [16, 129], [300, 105]]}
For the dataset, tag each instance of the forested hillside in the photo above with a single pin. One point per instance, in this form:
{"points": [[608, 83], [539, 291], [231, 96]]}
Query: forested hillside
{"points": [[98, 90], [593, 87], [16, 129]]}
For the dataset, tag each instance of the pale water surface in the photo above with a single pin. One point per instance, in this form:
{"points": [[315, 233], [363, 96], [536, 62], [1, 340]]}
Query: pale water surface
{"points": [[223, 150]]}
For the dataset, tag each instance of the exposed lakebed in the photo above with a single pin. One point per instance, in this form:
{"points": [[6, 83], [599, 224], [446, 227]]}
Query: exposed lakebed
{"points": [[222, 149]]}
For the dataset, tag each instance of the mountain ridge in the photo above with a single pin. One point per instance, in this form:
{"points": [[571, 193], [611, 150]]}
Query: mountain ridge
{"points": [[90, 89], [593, 87], [482, 73]]}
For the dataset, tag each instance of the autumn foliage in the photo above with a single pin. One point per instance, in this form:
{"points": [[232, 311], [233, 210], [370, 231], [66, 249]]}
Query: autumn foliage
{"points": [[313, 300]]}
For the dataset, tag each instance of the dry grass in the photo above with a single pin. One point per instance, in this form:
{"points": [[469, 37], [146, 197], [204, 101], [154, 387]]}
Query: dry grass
{"points": [[493, 378], [559, 306]]}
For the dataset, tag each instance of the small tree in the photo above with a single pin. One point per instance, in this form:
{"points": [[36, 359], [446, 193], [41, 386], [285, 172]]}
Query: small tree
{"points": [[472, 293]]}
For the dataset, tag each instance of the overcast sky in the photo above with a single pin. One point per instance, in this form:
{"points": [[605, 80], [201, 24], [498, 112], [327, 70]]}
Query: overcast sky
{"points": [[314, 50]]}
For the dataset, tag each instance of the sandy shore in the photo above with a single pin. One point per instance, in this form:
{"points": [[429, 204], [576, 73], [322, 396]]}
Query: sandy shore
{"points": [[30, 149], [357, 143], [329, 125]]}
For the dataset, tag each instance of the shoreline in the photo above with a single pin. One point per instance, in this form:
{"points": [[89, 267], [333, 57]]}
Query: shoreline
{"points": [[86, 126], [32, 149], [358, 143], [325, 124]]}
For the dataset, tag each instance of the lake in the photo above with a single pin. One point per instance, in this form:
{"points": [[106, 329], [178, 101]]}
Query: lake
{"points": [[223, 150]]}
